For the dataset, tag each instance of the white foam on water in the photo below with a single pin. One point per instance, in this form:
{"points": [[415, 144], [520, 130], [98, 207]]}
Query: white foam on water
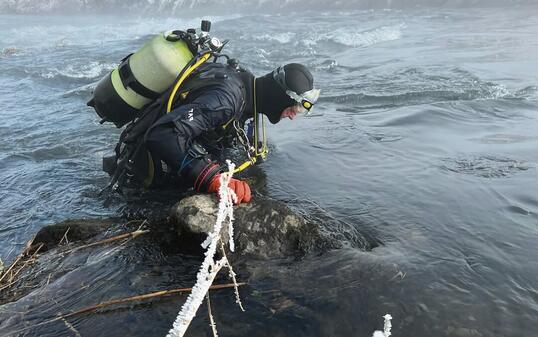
{"points": [[88, 31], [364, 38], [178, 6], [90, 70], [353, 37], [280, 37]]}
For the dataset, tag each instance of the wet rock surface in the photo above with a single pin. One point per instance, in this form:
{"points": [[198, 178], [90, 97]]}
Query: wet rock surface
{"points": [[70, 230], [47, 257], [262, 229]]}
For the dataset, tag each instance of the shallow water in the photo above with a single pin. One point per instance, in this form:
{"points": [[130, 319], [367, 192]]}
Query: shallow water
{"points": [[424, 139]]}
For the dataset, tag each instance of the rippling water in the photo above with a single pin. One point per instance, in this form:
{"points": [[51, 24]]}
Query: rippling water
{"points": [[424, 139]]}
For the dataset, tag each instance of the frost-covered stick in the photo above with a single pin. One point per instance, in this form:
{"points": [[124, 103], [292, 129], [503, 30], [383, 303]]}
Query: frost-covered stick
{"points": [[209, 268], [232, 274], [227, 197], [386, 328], [71, 327], [229, 206], [211, 320], [388, 325], [195, 299], [231, 243]]}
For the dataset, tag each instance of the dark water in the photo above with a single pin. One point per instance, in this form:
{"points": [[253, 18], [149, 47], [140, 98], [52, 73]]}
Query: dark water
{"points": [[424, 139]]}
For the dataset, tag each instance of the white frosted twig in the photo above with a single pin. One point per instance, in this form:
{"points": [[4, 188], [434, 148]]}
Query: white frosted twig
{"points": [[211, 320], [71, 327], [231, 243], [386, 327], [209, 269], [225, 205], [232, 274], [195, 299]]}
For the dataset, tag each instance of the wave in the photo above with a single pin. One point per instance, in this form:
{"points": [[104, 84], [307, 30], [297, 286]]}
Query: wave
{"points": [[280, 37], [500, 138], [530, 92], [485, 166], [316, 44], [415, 86], [367, 38], [175, 7], [419, 97], [344, 36], [91, 70], [55, 33], [325, 65]]}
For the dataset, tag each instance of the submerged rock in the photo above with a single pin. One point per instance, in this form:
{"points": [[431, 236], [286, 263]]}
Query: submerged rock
{"points": [[78, 266], [263, 228], [70, 230]]}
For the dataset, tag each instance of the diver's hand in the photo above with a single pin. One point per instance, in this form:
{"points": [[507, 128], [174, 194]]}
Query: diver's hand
{"points": [[241, 189]]}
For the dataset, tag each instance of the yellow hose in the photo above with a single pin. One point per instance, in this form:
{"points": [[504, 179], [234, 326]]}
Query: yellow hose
{"points": [[202, 59]]}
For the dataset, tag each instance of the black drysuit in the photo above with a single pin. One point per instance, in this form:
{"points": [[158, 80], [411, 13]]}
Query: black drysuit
{"points": [[224, 95]]}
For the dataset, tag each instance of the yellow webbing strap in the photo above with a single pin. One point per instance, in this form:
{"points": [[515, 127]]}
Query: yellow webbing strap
{"points": [[257, 152], [187, 72]]}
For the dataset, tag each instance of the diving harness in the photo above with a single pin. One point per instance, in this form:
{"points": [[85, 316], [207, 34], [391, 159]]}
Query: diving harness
{"points": [[256, 152]]}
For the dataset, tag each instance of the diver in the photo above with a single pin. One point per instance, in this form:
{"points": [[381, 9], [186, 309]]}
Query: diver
{"points": [[176, 122], [176, 140]]}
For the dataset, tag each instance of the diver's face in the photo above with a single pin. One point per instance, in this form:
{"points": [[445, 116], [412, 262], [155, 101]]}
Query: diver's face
{"points": [[292, 111]]}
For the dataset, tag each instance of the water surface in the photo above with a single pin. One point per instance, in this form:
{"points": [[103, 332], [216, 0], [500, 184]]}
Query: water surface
{"points": [[424, 139]]}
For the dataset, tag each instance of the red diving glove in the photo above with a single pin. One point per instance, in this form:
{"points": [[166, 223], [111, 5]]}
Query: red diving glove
{"points": [[241, 189]]}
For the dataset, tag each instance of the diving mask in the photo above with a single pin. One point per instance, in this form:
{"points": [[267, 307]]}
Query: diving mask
{"points": [[306, 100]]}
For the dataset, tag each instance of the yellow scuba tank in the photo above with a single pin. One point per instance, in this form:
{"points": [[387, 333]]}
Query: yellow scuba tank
{"points": [[146, 74]]}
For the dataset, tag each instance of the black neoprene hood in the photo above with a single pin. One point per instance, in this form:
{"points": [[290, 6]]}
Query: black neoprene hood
{"points": [[271, 98], [298, 78]]}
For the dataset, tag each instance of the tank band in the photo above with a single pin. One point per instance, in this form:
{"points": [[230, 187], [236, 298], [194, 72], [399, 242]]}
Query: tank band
{"points": [[129, 80]]}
